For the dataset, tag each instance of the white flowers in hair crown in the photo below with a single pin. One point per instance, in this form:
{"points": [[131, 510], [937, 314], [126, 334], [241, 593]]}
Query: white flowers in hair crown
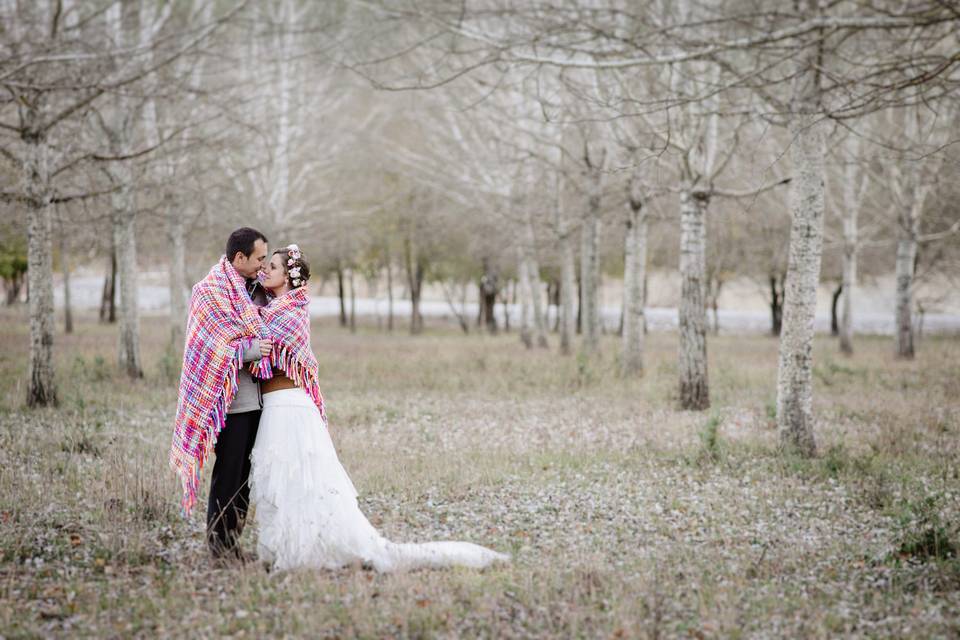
{"points": [[293, 253]]}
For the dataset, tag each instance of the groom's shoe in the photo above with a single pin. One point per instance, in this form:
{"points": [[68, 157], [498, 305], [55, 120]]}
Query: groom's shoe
{"points": [[225, 555], [230, 559]]}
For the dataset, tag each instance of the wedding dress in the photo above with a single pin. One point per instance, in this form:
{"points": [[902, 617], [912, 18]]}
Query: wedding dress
{"points": [[306, 506]]}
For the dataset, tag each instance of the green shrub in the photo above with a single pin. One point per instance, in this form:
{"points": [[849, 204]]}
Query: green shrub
{"points": [[924, 537], [710, 439]]}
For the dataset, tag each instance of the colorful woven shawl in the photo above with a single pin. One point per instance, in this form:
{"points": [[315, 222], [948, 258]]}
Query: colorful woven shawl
{"points": [[222, 323], [288, 321]]}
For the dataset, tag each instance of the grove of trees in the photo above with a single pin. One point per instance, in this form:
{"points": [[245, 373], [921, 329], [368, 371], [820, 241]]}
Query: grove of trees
{"points": [[504, 150]]}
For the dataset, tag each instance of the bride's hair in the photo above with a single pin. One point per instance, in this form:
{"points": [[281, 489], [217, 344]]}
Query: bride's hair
{"points": [[294, 261]]}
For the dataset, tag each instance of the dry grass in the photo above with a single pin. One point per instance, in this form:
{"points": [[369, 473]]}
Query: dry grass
{"points": [[626, 517]]}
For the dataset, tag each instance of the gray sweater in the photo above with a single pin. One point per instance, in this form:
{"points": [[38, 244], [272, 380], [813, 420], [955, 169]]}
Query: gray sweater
{"points": [[248, 388]]}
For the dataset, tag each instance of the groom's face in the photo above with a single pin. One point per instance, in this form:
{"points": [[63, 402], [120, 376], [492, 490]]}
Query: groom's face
{"points": [[248, 266]]}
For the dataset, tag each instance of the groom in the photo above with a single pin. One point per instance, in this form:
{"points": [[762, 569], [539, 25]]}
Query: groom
{"points": [[229, 490]]}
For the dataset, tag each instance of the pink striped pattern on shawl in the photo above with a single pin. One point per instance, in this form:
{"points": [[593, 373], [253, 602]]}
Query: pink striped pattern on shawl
{"points": [[288, 321], [222, 323]]}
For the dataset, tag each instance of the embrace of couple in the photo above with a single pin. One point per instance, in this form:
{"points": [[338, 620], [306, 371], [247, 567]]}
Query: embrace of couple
{"points": [[249, 390]]}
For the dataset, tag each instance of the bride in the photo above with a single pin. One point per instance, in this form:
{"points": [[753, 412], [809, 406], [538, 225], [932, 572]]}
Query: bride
{"points": [[307, 509]]}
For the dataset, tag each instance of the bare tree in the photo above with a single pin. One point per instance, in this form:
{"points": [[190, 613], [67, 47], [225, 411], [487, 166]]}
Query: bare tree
{"points": [[854, 177], [634, 276], [913, 182], [795, 69], [593, 164], [63, 63]]}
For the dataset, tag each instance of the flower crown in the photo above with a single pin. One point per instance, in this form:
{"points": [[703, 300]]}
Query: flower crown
{"points": [[293, 269]]}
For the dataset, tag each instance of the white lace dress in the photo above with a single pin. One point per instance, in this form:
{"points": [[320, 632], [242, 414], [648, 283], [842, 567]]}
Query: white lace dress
{"points": [[306, 506]]}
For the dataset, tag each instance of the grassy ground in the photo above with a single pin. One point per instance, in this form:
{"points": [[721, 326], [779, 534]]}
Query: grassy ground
{"points": [[626, 517]]}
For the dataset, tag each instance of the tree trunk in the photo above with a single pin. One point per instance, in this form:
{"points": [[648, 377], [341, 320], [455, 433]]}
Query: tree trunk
{"points": [[480, 303], [353, 303], [849, 281], [523, 278], [906, 264], [373, 292], [776, 303], [459, 313], [855, 182], [108, 303], [41, 390], [579, 300], [795, 370], [124, 230], [415, 282], [505, 296], [14, 287], [177, 276], [568, 286], [589, 278], [389, 294], [694, 387], [634, 274], [416, 326], [834, 304], [533, 280], [65, 270], [342, 294], [553, 300], [488, 297]]}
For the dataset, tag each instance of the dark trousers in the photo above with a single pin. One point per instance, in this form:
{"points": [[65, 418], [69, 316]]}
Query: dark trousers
{"points": [[229, 489]]}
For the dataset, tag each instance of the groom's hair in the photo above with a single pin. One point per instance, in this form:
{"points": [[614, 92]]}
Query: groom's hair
{"points": [[242, 240]]}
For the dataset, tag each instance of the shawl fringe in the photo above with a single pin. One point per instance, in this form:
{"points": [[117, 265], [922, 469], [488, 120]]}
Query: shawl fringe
{"points": [[288, 321], [190, 469], [303, 375]]}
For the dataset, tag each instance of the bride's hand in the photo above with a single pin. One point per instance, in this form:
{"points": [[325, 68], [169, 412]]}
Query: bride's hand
{"points": [[266, 346]]}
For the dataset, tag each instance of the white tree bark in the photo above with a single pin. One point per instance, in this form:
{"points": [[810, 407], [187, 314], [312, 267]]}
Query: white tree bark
{"points": [[124, 230], [177, 273], [156, 128], [42, 390], [389, 262], [568, 265], [353, 302], [535, 289], [414, 269], [634, 274], [795, 370], [590, 252], [909, 231], [125, 21], [854, 185], [568, 291], [699, 133], [523, 276], [590, 281], [65, 272], [911, 188], [694, 387], [849, 282]]}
